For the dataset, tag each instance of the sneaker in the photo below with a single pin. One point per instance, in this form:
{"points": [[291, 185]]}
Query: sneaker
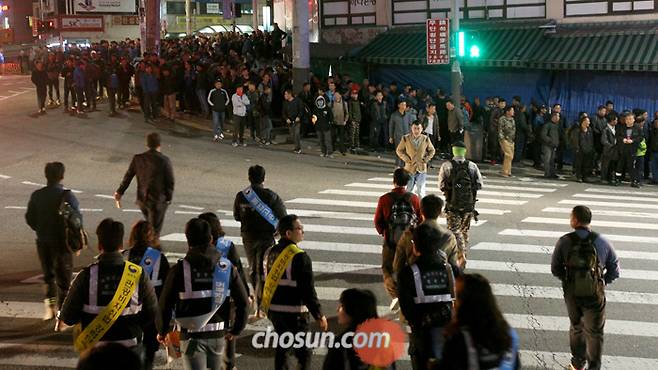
{"points": [[221, 136], [57, 102], [330, 156], [244, 144], [50, 309], [322, 155], [394, 306], [235, 144], [268, 143], [571, 367], [216, 138], [298, 151]]}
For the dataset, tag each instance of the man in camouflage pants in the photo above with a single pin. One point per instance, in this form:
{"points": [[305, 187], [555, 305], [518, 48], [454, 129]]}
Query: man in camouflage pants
{"points": [[459, 180]]}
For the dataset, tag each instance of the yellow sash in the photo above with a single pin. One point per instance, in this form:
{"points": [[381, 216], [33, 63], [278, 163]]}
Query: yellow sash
{"points": [[102, 323], [278, 268]]}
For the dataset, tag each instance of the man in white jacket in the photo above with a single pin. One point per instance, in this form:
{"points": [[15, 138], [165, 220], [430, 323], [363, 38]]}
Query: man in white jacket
{"points": [[240, 102]]}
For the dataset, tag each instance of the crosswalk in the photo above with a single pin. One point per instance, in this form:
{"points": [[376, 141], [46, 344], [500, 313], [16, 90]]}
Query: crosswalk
{"points": [[512, 247]]}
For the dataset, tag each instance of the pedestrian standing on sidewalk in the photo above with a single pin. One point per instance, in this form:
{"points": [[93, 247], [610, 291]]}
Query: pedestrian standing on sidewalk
{"points": [[416, 151], [292, 114], [43, 217], [582, 141], [340, 112], [155, 182], [218, 100], [585, 262], [653, 148], [168, 91], [265, 104], [40, 80], [455, 122], [550, 140], [355, 117], [399, 125], [609, 149], [322, 118], [506, 137], [240, 102], [459, 180], [629, 137], [53, 68], [397, 211], [258, 210], [69, 86]]}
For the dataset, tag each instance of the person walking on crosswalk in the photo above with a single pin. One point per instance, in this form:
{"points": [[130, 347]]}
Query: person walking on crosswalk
{"points": [[289, 295], [416, 151], [459, 180], [427, 291], [585, 262], [55, 256], [396, 211], [258, 210], [113, 299]]}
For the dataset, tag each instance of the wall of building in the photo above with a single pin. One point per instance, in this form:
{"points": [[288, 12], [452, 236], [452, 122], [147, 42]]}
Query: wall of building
{"points": [[583, 11], [18, 13]]}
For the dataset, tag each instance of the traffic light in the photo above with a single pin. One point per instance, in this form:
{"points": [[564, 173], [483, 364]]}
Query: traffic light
{"points": [[468, 45]]}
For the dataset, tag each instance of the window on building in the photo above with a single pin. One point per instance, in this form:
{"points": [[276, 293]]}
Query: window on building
{"points": [[349, 12], [417, 11], [175, 7], [580, 8]]}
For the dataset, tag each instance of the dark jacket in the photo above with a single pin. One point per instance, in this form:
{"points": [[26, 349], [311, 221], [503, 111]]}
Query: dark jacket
{"points": [[550, 134], [635, 135], [292, 110], [40, 78], [218, 100], [609, 142], [110, 269], [155, 177], [67, 73], [378, 113], [435, 126], [301, 272], [455, 356], [324, 115], [251, 222], [424, 315], [43, 212], [653, 139], [202, 267], [582, 142], [168, 85], [149, 83]]}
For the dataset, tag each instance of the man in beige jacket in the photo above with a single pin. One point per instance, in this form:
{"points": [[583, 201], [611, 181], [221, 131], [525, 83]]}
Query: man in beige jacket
{"points": [[416, 150]]}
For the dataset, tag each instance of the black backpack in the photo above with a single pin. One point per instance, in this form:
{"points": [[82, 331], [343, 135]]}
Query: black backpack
{"points": [[401, 218], [75, 237], [461, 197], [584, 274]]}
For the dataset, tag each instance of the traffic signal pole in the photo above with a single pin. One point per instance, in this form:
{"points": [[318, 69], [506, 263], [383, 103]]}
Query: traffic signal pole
{"points": [[300, 46], [455, 72]]}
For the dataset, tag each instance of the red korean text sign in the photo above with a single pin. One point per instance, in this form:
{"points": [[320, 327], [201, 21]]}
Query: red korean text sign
{"points": [[438, 41]]}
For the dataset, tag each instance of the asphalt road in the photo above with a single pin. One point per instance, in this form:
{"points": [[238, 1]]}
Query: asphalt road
{"points": [[521, 218]]}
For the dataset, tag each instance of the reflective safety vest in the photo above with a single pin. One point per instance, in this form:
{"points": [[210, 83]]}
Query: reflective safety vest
{"points": [[443, 280], [287, 281], [133, 308], [219, 292], [151, 264]]}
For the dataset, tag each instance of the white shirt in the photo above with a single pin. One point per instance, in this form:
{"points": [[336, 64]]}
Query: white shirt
{"points": [[430, 125]]}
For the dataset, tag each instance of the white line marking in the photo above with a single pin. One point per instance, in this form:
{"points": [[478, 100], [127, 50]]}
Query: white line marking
{"points": [[486, 186], [558, 234], [32, 183], [15, 207], [186, 212], [559, 323], [131, 210], [585, 202], [613, 224], [226, 212], [359, 193], [602, 212], [616, 191], [91, 209], [356, 204], [522, 181], [614, 197], [548, 250], [191, 207], [544, 268], [561, 360], [331, 215], [5, 177], [104, 196], [545, 292], [15, 92]]}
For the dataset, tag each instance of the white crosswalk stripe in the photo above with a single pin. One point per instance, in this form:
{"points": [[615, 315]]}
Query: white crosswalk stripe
{"points": [[602, 212], [488, 186], [481, 192], [614, 224], [557, 234], [548, 249], [616, 197], [589, 203], [616, 192]]}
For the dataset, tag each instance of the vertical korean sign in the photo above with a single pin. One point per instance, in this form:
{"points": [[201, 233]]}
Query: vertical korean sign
{"points": [[438, 41]]}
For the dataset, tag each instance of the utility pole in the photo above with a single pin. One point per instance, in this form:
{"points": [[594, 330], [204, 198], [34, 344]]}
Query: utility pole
{"points": [[152, 26], [456, 72], [188, 17], [300, 46]]}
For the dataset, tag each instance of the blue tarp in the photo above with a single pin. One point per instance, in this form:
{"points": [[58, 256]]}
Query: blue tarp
{"points": [[575, 90]]}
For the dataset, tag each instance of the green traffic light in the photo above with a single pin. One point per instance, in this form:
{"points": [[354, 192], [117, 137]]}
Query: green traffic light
{"points": [[461, 50], [475, 51]]}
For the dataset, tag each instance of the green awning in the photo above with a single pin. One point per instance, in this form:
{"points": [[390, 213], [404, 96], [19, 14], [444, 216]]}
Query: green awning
{"points": [[605, 50], [627, 46], [501, 45]]}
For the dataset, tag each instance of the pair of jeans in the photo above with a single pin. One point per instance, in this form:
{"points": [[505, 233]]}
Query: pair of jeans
{"points": [[548, 157], [417, 180], [151, 107], [238, 128], [583, 163], [638, 170], [425, 344], [217, 122], [585, 332], [41, 97], [507, 148], [266, 128], [255, 246], [608, 165], [112, 97], [124, 94], [53, 85], [169, 101], [57, 267], [296, 134], [340, 138], [202, 353], [91, 96], [69, 90]]}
